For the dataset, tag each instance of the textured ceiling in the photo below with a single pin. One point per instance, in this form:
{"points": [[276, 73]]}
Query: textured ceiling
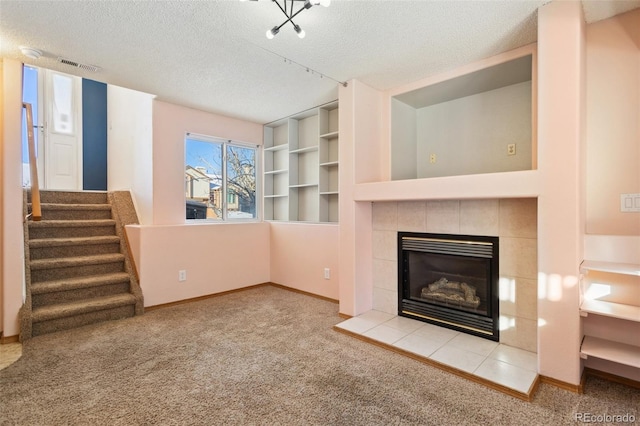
{"points": [[214, 56]]}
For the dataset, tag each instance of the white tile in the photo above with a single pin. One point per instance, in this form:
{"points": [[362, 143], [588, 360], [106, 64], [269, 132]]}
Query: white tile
{"points": [[458, 358], [385, 274], [385, 245], [384, 216], [519, 332], [473, 344], [385, 334], [506, 374], [514, 356], [419, 344], [412, 216], [436, 334], [385, 301], [376, 317], [479, 217], [365, 321], [443, 216], [356, 325], [403, 324]]}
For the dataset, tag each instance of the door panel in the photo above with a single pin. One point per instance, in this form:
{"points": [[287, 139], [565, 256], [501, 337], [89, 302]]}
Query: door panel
{"points": [[63, 130]]}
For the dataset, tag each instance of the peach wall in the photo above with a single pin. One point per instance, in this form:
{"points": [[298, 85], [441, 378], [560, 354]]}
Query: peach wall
{"points": [[1, 198], [170, 125], [560, 216], [130, 147], [217, 258], [12, 262], [613, 123], [361, 109], [299, 254]]}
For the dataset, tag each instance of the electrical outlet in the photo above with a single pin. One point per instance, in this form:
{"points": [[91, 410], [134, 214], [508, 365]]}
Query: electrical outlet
{"points": [[182, 275], [432, 158], [630, 202], [327, 273], [511, 149]]}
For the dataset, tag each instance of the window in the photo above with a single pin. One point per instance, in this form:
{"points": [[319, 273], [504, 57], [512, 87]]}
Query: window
{"points": [[213, 168]]}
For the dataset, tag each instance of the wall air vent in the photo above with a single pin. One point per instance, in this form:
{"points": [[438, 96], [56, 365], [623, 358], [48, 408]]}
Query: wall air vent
{"points": [[85, 67]]}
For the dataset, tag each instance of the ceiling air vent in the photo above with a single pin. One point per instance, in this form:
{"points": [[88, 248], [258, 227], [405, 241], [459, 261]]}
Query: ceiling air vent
{"points": [[85, 67]]}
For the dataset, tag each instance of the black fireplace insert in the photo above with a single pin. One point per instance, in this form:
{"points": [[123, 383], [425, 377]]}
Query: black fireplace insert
{"points": [[450, 280]]}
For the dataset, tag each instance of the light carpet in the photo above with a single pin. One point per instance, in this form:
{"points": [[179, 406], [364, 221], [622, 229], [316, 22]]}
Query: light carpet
{"points": [[261, 356]]}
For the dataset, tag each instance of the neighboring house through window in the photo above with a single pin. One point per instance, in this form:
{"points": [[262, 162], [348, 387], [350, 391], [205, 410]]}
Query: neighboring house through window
{"points": [[214, 167]]}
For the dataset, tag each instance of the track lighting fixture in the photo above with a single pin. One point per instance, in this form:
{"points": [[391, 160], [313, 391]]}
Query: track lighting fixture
{"points": [[286, 6]]}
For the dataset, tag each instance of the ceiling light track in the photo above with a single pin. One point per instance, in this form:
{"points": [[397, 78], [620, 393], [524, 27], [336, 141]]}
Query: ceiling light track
{"points": [[290, 14], [304, 67]]}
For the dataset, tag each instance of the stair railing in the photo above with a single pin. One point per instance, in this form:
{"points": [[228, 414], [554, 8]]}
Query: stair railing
{"points": [[36, 211]]}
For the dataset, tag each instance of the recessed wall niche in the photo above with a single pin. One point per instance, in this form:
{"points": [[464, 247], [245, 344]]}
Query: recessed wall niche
{"points": [[480, 122]]}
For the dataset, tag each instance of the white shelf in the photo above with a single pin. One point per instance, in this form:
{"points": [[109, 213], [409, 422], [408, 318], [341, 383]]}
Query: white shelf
{"points": [[277, 147], [303, 150], [275, 172], [611, 351], [301, 162], [613, 267], [330, 135], [610, 309]]}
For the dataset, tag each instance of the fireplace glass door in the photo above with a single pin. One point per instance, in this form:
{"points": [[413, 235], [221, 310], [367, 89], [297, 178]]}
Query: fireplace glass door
{"points": [[450, 280]]}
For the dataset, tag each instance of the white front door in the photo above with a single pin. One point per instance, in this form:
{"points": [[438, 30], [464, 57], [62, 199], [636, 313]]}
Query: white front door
{"points": [[62, 131]]}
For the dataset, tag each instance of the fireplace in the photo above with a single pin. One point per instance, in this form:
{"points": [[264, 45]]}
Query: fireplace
{"points": [[450, 280]]}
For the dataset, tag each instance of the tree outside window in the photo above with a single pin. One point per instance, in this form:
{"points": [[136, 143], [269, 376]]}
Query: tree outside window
{"points": [[214, 168]]}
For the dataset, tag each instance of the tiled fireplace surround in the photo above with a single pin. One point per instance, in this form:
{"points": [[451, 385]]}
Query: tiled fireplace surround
{"points": [[513, 220]]}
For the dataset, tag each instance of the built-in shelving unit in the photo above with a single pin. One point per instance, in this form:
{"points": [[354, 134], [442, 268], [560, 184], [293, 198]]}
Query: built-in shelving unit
{"points": [[301, 166], [611, 290]]}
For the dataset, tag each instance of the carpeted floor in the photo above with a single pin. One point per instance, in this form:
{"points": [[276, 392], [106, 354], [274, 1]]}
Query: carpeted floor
{"points": [[262, 356]]}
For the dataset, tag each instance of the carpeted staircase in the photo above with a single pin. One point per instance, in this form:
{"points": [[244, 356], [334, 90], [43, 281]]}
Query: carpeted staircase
{"points": [[77, 263]]}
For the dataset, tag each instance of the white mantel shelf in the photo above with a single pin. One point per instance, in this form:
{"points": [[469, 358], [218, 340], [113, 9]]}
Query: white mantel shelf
{"points": [[522, 184]]}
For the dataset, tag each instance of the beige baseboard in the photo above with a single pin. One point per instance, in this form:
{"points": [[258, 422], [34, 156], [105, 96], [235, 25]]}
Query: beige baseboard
{"points": [[611, 377], [563, 385], [222, 293], [9, 339]]}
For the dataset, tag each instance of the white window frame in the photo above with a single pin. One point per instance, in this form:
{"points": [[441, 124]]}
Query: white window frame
{"points": [[257, 168]]}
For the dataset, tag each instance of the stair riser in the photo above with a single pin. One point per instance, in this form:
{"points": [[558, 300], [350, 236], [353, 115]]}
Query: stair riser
{"points": [[48, 214], [68, 232], [58, 197], [46, 299], [67, 323], [75, 271], [71, 251]]}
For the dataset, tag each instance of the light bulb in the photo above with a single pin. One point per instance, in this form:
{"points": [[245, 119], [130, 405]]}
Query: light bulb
{"points": [[272, 32], [299, 30]]}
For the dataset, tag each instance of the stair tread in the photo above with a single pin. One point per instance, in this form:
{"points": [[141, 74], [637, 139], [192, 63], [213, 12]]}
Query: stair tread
{"points": [[62, 310], [79, 282], [54, 242], [63, 262], [77, 206], [71, 223]]}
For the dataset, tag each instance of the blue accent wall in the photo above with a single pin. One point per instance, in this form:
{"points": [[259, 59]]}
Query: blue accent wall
{"points": [[94, 135]]}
